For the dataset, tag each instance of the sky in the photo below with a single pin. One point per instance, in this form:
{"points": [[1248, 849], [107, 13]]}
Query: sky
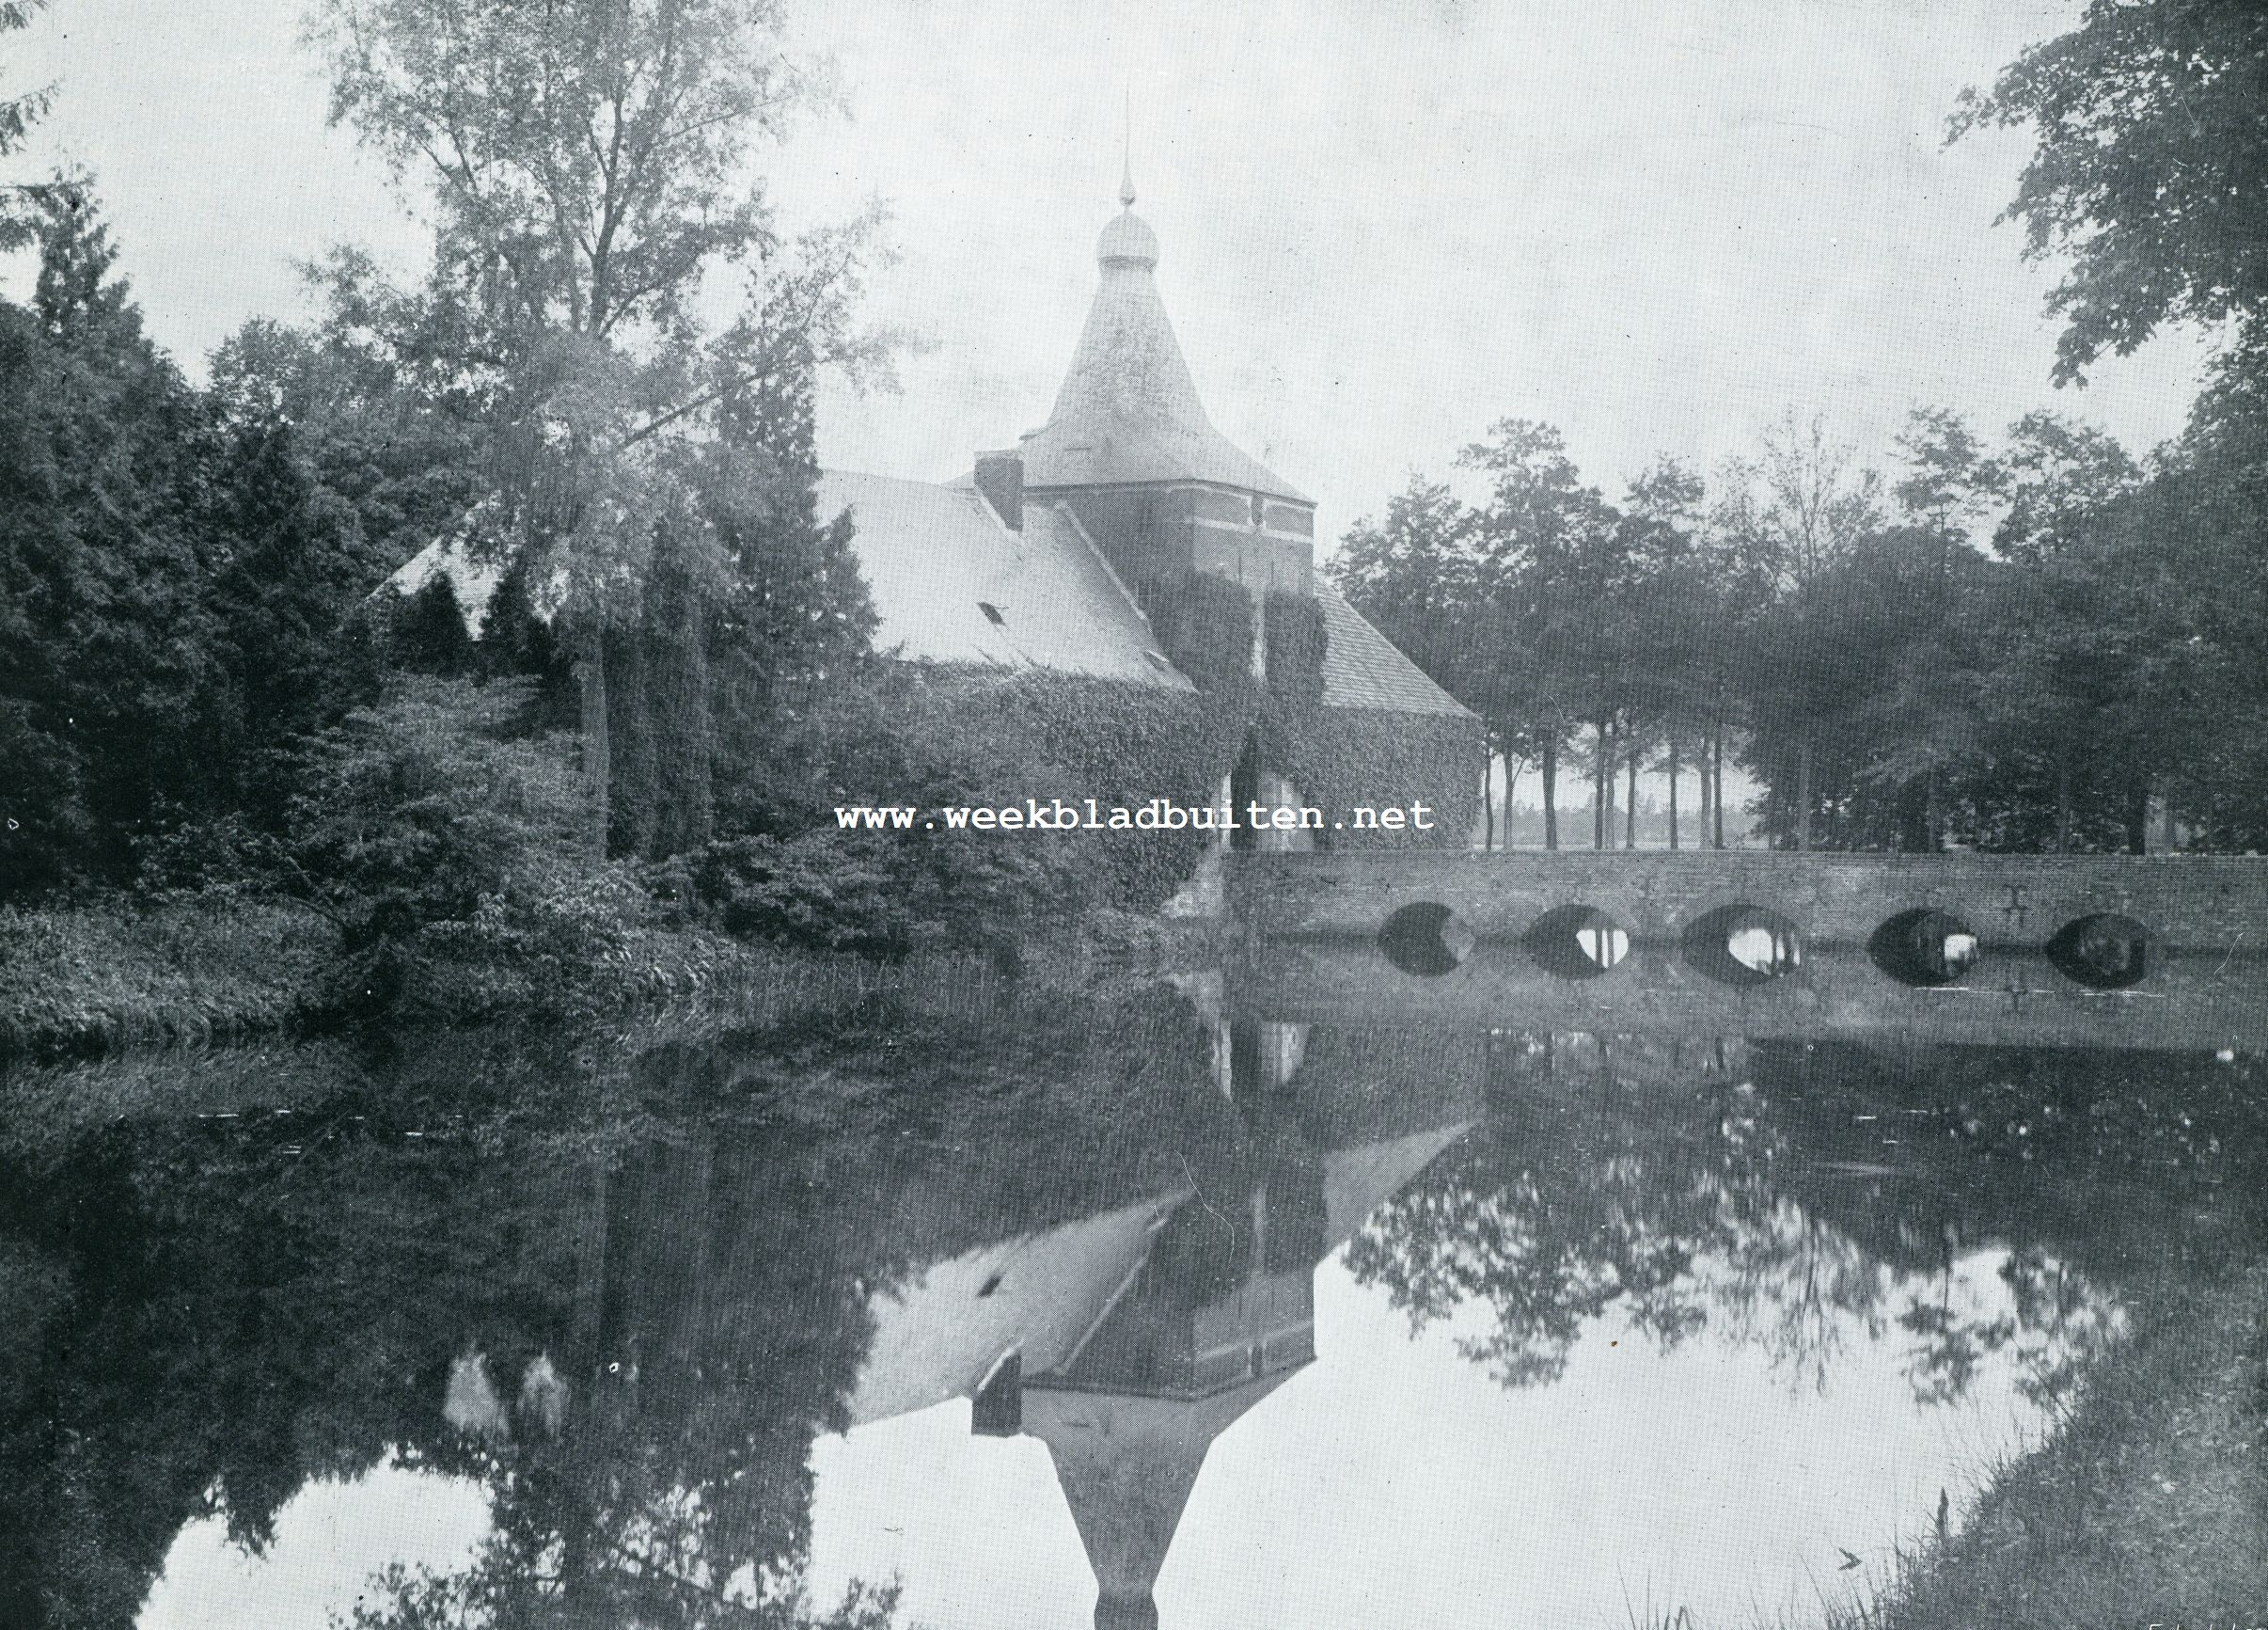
{"points": [[1656, 224]]}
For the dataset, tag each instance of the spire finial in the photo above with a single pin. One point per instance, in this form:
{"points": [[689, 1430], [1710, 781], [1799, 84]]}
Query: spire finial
{"points": [[1126, 186]]}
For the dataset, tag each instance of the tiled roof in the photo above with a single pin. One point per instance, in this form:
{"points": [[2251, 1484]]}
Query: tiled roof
{"points": [[936, 556], [1361, 667]]}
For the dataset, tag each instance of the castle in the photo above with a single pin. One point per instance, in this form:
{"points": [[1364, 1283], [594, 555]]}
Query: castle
{"points": [[1061, 554], [1058, 552]]}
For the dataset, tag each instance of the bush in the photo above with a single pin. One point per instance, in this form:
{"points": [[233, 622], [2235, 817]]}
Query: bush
{"points": [[450, 849], [932, 736]]}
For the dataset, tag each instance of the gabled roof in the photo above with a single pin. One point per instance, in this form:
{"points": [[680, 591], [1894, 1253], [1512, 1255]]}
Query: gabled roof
{"points": [[1361, 667], [473, 562], [936, 556], [1128, 409]]}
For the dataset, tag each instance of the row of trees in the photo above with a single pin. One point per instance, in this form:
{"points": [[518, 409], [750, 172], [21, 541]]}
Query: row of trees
{"points": [[2010, 646], [2027, 644]]}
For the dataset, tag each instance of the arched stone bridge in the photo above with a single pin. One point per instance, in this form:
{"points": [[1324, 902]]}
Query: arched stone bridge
{"points": [[2215, 905], [2090, 951]]}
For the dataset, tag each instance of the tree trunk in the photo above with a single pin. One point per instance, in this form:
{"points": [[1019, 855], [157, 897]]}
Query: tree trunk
{"points": [[2168, 836], [1803, 797], [2137, 816], [1673, 790], [1602, 781], [2063, 807], [1932, 817], [1551, 792], [591, 682], [1716, 783], [1487, 803], [1630, 804]]}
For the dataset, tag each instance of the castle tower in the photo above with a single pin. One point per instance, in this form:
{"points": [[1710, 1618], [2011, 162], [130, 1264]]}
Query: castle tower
{"points": [[1131, 450]]}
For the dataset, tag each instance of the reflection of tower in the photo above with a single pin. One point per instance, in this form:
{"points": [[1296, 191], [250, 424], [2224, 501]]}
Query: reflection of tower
{"points": [[1128, 1465], [1219, 1314], [1130, 1339]]}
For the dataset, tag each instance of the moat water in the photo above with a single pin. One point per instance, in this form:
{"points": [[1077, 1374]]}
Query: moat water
{"points": [[1112, 1306]]}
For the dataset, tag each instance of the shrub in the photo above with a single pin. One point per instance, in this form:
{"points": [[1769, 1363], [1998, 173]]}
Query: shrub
{"points": [[450, 851]]}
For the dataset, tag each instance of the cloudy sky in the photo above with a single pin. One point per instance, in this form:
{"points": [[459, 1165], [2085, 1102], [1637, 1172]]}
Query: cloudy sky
{"points": [[1655, 223]]}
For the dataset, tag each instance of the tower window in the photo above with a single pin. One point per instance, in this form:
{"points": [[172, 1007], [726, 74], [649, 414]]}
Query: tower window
{"points": [[992, 613], [1259, 508]]}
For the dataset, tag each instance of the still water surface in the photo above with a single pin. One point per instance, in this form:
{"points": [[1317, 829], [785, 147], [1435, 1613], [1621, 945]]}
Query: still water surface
{"points": [[1107, 1308]]}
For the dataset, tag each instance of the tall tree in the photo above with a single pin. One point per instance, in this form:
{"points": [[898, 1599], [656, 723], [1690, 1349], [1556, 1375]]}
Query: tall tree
{"points": [[111, 696], [1789, 516], [1544, 545], [18, 112], [588, 163]]}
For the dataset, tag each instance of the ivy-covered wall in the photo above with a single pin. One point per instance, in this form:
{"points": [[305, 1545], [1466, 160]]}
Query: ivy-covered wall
{"points": [[1361, 756], [1048, 736]]}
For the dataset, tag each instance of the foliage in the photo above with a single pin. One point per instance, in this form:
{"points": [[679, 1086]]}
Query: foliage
{"points": [[2145, 179], [782, 869], [18, 112], [588, 168], [110, 691]]}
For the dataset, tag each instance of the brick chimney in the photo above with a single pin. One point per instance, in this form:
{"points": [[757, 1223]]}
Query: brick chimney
{"points": [[1000, 476]]}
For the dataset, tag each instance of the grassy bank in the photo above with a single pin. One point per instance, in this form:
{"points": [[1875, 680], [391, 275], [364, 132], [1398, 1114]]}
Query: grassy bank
{"points": [[2149, 1503], [91, 978]]}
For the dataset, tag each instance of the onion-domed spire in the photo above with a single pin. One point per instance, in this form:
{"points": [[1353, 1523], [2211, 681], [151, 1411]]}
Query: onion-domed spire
{"points": [[1127, 411], [1127, 240]]}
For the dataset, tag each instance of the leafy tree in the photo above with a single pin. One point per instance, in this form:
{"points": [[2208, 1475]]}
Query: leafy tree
{"points": [[1672, 619], [2146, 177], [1546, 558], [1785, 518], [429, 635], [587, 167], [18, 113], [1416, 577]]}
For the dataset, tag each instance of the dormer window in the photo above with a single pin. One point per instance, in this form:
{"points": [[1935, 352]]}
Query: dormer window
{"points": [[992, 613]]}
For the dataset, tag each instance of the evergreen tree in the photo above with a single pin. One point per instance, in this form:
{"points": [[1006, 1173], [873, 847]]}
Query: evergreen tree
{"points": [[111, 690]]}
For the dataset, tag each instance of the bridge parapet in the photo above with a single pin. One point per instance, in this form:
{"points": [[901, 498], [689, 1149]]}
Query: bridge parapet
{"points": [[2216, 904]]}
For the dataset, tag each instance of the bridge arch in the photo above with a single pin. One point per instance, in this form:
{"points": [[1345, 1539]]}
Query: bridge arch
{"points": [[1924, 946], [2103, 950], [1742, 943], [1576, 942], [1426, 938]]}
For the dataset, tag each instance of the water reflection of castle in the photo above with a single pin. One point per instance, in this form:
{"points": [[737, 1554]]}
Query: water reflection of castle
{"points": [[1129, 1340]]}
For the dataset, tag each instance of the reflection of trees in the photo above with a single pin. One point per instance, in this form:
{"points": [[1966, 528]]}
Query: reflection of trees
{"points": [[199, 1318], [1797, 1289], [1626, 1177], [1547, 1262]]}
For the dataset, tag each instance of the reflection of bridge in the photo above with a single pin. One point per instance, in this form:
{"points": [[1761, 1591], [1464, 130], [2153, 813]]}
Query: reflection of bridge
{"points": [[2013, 999], [2187, 903]]}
